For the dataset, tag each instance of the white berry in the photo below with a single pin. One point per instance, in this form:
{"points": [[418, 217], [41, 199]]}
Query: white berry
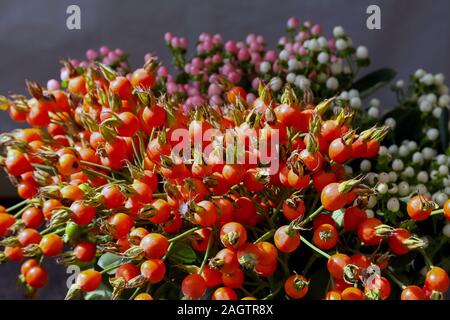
{"points": [[432, 134], [393, 205], [362, 52], [338, 31], [397, 165], [403, 188], [332, 83], [365, 165]]}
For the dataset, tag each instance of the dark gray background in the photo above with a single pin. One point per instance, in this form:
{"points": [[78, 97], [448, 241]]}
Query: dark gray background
{"points": [[33, 38]]}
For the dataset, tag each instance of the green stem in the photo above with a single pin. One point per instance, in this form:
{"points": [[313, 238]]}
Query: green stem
{"points": [[248, 294], [52, 228], [265, 236], [436, 212], [110, 268], [311, 260], [273, 294], [135, 293], [208, 250], [168, 251], [309, 244], [93, 164], [19, 213], [100, 174], [395, 279], [42, 166], [184, 234], [17, 205], [312, 216], [426, 258]]}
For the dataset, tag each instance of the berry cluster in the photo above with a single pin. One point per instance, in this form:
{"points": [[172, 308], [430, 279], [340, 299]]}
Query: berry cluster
{"points": [[208, 184]]}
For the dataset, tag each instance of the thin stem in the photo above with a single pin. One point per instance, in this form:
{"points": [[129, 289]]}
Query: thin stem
{"points": [[248, 294], [42, 166], [273, 294], [135, 293], [311, 261], [312, 216], [100, 174], [17, 205], [395, 279], [309, 244], [426, 258], [110, 268], [436, 212], [57, 231], [19, 213], [93, 164], [168, 251], [265, 236], [184, 234], [208, 250], [135, 152]]}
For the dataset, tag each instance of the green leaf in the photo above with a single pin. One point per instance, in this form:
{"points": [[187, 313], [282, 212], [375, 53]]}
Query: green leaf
{"points": [[102, 293], [408, 123], [182, 253], [108, 260], [373, 81], [338, 216], [443, 129]]}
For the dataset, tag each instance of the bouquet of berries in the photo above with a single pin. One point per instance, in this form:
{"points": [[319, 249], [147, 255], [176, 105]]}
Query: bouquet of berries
{"points": [[247, 173]]}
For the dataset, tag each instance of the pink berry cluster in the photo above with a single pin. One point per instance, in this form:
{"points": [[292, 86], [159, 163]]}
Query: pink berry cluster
{"points": [[303, 57]]}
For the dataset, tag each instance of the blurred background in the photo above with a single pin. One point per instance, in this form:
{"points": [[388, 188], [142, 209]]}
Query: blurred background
{"points": [[34, 37]]}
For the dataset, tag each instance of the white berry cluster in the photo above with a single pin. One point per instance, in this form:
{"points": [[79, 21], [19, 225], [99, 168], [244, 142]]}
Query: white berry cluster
{"points": [[431, 95], [310, 61], [401, 170]]}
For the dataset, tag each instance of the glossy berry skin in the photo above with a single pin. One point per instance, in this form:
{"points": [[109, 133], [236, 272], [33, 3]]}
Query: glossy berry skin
{"points": [[143, 296], [127, 271], [154, 245], [352, 293], [332, 199], [293, 209], [224, 293], [378, 287], [51, 245], [296, 286], [325, 237], [396, 240], [33, 217], [286, 240], [36, 277], [121, 224], [437, 279], [153, 270], [233, 235], [339, 151], [85, 251], [418, 208], [336, 265], [193, 286], [6, 221], [446, 209], [412, 293], [27, 265], [366, 232], [89, 280], [82, 214]]}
